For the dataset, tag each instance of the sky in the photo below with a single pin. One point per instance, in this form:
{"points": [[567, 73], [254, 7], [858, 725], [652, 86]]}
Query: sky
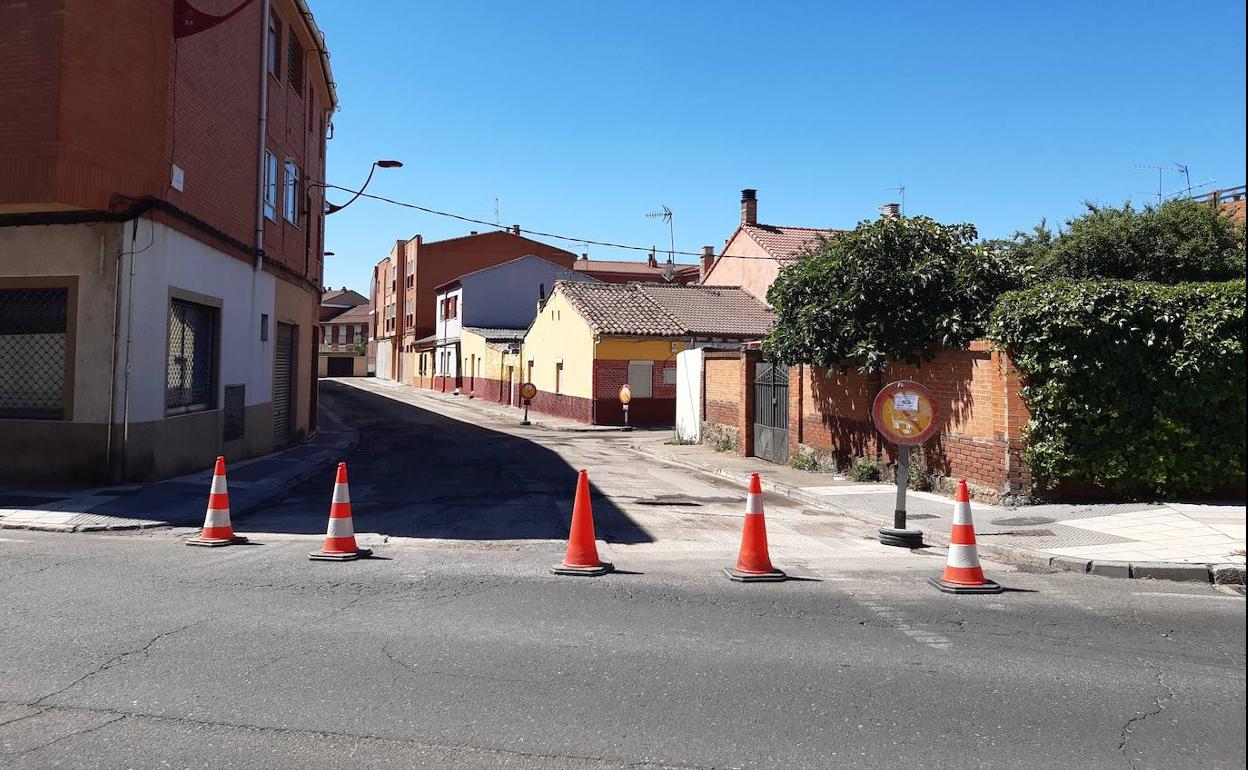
{"points": [[582, 117]]}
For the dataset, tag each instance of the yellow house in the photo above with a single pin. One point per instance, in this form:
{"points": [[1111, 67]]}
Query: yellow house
{"points": [[491, 364], [589, 339]]}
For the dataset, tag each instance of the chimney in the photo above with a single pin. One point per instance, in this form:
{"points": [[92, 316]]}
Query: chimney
{"points": [[472, 232], [541, 297], [585, 255], [515, 229], [650, 260], [708, 259], [890, 210], [749, 207]]}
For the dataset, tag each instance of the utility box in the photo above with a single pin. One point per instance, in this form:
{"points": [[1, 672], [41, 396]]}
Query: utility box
{"points": [[689, 395]]}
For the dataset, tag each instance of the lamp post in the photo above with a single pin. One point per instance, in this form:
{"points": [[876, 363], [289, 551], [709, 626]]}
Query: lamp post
{"points": [[331, 208]]}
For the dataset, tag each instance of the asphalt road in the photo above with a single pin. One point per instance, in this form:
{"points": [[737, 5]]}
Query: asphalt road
{"points": [[457, 649]]}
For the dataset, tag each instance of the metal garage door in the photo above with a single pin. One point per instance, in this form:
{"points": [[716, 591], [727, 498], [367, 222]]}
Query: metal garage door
{"points": [[284, 369], [339, 366]]}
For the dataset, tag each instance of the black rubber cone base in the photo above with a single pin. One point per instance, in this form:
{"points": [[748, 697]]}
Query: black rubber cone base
{"points": [[362, 553], [601, 569], [775, 576], [202, 543], [902, 538], [989, 587]]}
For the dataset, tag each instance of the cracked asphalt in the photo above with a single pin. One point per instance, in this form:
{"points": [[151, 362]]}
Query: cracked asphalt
{"points": [[457, 649]]}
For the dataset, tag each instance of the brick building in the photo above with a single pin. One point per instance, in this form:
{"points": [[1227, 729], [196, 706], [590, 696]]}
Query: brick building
{"points": [[404, 290], [345, 320], [650, 271], [161, 246]]}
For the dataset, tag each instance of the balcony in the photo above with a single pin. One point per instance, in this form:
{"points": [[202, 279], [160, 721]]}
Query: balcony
{"points": [[341, 347]]}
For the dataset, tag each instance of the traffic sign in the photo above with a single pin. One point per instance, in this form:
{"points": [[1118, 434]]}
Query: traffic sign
{"points": [[905, 413], [528, 391], [626, 394]]}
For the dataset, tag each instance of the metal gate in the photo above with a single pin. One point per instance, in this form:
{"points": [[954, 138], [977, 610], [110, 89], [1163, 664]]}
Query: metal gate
{"points": [[771, 412], [283, 383], [338, 366]]}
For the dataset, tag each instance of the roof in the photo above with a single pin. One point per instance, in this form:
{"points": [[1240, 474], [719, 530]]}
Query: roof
{"points": [[343, 297], [713, 311], [784, 243], [668, 310], [358, 314], [491, 335], [458, 281], [640, 269]]}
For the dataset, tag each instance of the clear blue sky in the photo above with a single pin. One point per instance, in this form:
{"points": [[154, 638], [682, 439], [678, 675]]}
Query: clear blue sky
{"points": [[581, 117]]}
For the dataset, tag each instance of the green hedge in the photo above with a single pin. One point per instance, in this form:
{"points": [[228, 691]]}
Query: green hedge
{"points": [[1135, 387]]}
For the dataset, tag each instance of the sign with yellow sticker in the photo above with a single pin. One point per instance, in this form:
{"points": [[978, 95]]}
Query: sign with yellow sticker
{"points": [[905, 413]]}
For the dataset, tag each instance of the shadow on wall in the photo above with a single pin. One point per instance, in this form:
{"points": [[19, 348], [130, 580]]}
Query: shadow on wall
{"points": [[420, 474], [843, 423]]}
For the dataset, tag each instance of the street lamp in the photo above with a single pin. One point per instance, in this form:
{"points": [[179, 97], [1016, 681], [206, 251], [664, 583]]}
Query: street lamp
{"points": [[331, 208]]}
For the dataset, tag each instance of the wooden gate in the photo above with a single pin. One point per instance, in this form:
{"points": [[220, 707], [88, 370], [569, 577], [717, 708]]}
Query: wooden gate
{"points": [[771, 412]]}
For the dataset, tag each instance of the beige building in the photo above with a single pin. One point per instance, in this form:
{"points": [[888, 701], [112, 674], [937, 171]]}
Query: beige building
{"points": [[753, 255]]}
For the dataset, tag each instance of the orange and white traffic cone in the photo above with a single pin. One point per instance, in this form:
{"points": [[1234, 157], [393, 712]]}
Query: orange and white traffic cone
{"points": [[963, 575], [340, 537], [753, 562], [217, 529], [582, 555]]}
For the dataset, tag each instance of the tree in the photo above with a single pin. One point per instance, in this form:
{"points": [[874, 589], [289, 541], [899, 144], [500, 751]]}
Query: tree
{"points": [[1180, 241], [888, 290]]}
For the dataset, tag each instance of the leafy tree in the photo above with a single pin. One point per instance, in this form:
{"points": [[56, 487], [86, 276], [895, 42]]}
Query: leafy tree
{"points": [[888, 290], [1179, 241]]}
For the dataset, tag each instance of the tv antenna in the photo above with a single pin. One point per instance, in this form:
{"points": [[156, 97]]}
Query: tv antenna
{"points": [[669, 270], [497, 219], [901, 190]]}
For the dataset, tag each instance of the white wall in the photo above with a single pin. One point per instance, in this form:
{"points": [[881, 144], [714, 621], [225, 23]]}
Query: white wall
{"points": [[384, 350], [178, 261], [505, 296], [448, 328], [689, 365]]}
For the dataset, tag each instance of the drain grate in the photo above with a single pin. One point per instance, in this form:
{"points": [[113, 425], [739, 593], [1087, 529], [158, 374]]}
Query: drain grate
{"points": [[1022, 521]]}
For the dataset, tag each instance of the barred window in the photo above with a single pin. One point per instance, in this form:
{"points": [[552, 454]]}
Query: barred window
{"points": [[190, 371], [33, 343]]}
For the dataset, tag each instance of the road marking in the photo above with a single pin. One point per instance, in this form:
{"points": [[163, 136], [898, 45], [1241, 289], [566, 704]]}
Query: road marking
{"points": [[899, 621]]}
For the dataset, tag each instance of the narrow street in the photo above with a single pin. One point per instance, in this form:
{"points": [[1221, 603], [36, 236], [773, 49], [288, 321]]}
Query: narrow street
{"points": [[456, 648]]}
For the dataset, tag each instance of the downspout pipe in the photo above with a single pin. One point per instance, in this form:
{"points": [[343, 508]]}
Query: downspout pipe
{"points": [[263, 132]]}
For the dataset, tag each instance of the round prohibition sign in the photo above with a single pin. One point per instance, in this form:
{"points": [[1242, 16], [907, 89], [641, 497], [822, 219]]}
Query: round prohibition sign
{"points": [[527, 391], [905, 412], [626, 394]]}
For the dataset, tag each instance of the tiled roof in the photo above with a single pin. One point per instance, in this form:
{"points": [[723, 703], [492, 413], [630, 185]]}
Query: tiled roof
{"points": [[785, 243], [712, 311], [641, 269], [357, 314], [615, 308], [491, 335], [668, 310], [339, 297]]}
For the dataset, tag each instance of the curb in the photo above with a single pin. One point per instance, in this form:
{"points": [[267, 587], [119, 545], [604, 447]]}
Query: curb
{"points": [[350, 439], [1218, 574]]}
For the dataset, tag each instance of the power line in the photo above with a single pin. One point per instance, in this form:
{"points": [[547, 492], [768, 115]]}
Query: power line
{"points": [[539, 233]]}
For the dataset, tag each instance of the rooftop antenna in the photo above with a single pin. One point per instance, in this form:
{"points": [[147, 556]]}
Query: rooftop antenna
{"points": [[669, 270], [1159, 169], [497, 220], [1187, 176], [901, 190]]}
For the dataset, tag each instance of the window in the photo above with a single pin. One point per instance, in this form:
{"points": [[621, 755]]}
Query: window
{"points": [[559, 377], [275, 47], [190, 376], [270, 185], [639, 378], [34, 351], [294, 63], [264, 327], [290, 205]]}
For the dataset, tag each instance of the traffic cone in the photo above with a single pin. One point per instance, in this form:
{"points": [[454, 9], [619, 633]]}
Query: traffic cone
{"points": [[963, 575], [340, 538], [754, 563], [582, 555], [217, 529]]}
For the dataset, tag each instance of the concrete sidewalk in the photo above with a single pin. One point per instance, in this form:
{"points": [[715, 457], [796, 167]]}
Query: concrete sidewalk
{"points": [[1172, 541], [178, 501]]}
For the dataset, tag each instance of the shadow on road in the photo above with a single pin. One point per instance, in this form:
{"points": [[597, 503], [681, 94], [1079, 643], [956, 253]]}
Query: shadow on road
{"points": [[416, 473]]}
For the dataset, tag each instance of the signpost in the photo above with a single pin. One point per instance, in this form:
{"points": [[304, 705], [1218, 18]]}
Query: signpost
{"points": [[527, 392], [626, 395], [905, 413]]}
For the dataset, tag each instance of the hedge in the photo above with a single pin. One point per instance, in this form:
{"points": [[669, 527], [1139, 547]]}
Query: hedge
{"points": [[1134, 387]]}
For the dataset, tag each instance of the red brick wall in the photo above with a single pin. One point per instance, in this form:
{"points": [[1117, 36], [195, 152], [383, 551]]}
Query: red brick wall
{"points": [[660, 409], [728, 397], [570, 407]]}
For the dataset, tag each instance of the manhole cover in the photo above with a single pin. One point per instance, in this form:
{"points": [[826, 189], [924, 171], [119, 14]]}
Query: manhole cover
{"points": [[1022, 521]]}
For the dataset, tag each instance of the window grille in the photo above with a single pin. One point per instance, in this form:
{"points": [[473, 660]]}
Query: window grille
{"points": [[33, 344], [189, 371]]}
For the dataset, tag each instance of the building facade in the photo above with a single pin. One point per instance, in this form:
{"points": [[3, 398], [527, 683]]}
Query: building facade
{"points": [[754, 253], [160, 246], [404, 291], [345, 318]]}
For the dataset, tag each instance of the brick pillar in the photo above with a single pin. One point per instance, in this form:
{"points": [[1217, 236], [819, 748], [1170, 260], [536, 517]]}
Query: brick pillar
{"points": [[795, 408], [745, 416]]}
